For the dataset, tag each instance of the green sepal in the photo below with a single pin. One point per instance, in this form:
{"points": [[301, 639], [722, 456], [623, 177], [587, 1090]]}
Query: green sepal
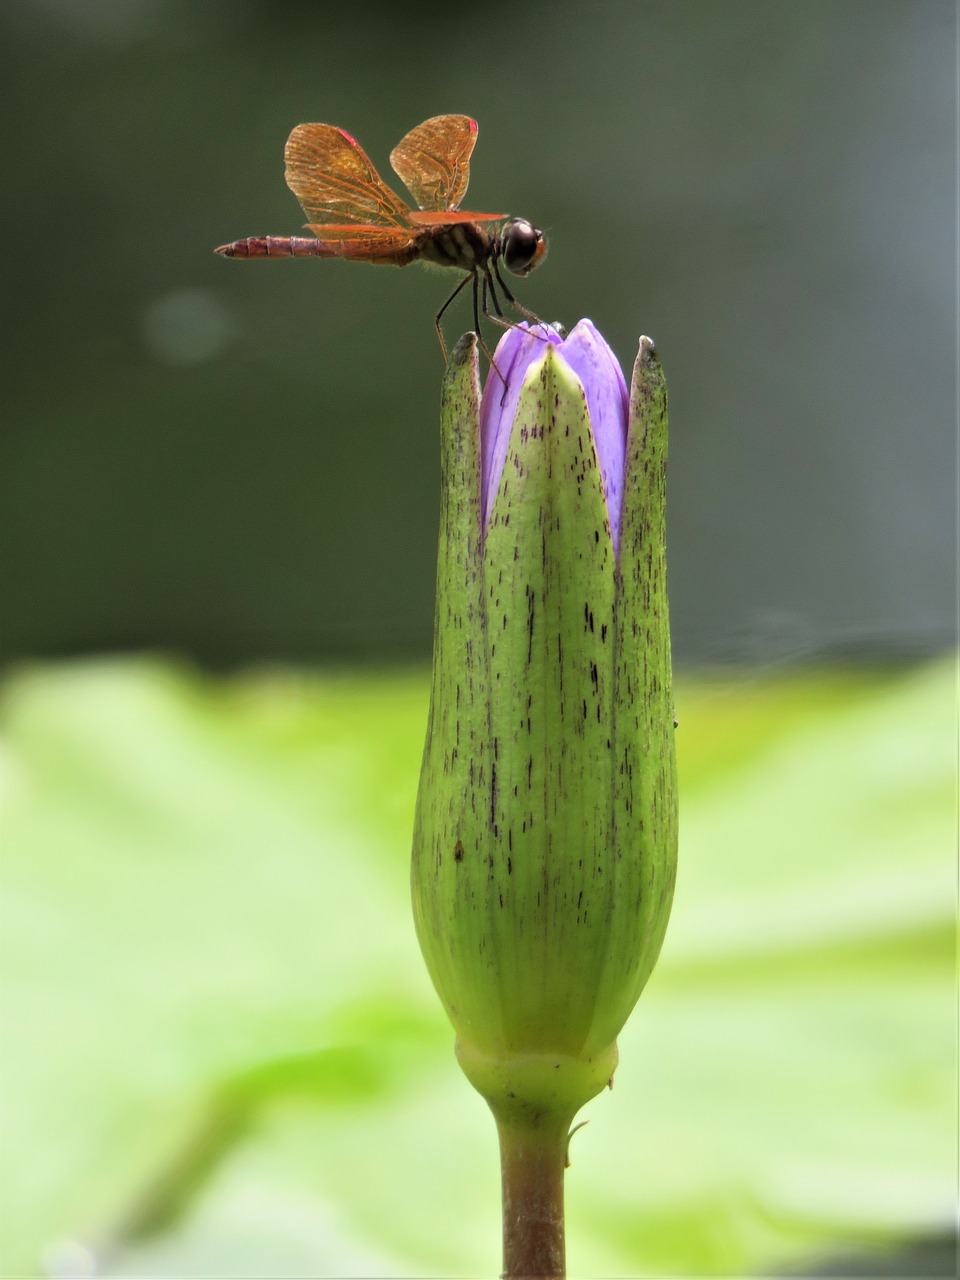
{"points": [[455, 758], [549, 581], [644, 754]]}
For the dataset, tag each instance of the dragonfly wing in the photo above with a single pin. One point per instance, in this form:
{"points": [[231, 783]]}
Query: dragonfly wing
{"points": [[450, 217], [359, 231], [332, 177], [433, 160]]}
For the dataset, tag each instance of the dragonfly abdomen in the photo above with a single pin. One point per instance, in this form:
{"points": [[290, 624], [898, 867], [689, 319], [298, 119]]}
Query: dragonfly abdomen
{"points": [[275, 247], [364, 249]]}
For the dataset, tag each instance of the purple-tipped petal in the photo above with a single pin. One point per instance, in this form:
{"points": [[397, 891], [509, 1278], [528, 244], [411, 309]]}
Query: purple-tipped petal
{"points": [[588, 356], [516, 352]]}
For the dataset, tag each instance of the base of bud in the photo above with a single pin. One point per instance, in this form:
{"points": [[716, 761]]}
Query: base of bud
{"points": [[524, 1088]]}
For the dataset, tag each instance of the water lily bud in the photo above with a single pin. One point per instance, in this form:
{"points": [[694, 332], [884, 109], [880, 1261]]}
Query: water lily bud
{"points": [[546, 830]]}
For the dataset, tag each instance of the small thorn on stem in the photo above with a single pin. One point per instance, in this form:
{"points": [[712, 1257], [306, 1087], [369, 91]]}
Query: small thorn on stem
{"points": [[566, 1163]]}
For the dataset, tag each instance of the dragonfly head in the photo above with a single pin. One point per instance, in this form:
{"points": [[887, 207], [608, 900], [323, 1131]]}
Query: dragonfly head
{"points": [[522, 246]]}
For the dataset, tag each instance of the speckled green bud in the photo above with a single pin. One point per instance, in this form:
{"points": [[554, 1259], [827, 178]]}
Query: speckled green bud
{"points": [[545, 840]]}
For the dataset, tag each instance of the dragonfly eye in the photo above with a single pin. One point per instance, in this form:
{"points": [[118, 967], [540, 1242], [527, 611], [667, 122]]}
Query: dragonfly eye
{"points": [[523, 246]]}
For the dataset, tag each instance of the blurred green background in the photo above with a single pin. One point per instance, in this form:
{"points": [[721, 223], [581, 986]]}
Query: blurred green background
{"points": [[221, 1055]]}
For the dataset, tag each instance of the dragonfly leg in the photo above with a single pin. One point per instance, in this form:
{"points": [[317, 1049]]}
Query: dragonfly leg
{"points": [[439, 314], [500, 318], [511, 299], [476, 321]]}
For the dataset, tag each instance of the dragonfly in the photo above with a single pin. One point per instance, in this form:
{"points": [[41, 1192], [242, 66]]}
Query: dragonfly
{"points": [[353, 214]]}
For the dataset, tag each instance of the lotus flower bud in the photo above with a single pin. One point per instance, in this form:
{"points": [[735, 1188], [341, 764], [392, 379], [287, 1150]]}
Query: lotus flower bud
{"points": [[545, 839]]}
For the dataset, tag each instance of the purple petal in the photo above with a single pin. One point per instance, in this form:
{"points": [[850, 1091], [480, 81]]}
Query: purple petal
{"points": [[590, 359], [587, 353], [515, 353]]}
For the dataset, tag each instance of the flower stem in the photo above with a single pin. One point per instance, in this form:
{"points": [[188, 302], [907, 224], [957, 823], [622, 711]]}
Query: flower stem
{"points": [[533, 1156]]}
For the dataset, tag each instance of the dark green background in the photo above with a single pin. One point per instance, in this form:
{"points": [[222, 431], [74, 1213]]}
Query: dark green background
{"points": [[238, 460]]}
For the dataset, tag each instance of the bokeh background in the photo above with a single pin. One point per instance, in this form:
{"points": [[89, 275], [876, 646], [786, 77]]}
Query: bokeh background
{"points": [[220, 495]]}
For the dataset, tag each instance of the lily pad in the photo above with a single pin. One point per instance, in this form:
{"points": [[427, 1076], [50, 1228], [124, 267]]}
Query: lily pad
{"points": [[222, 1056]]}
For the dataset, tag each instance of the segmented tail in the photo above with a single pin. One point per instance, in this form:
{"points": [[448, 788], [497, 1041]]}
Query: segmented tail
{"points": [[277, 247]]}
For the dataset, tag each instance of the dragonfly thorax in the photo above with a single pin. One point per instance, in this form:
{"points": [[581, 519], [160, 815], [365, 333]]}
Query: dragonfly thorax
{"points": [[464, 245], [468, 246]]}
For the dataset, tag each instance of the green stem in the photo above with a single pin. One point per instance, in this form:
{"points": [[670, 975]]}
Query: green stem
{"points": [[533, 1156], [534, 1097]]}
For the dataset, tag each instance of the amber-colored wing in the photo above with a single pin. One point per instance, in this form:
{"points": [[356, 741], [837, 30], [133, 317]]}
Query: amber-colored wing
{"points": [[450, 217], [332, 177], [433, 160]]}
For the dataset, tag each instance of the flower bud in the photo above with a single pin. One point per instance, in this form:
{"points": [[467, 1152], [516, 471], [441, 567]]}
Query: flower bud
{"points": [[545, 838]]}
